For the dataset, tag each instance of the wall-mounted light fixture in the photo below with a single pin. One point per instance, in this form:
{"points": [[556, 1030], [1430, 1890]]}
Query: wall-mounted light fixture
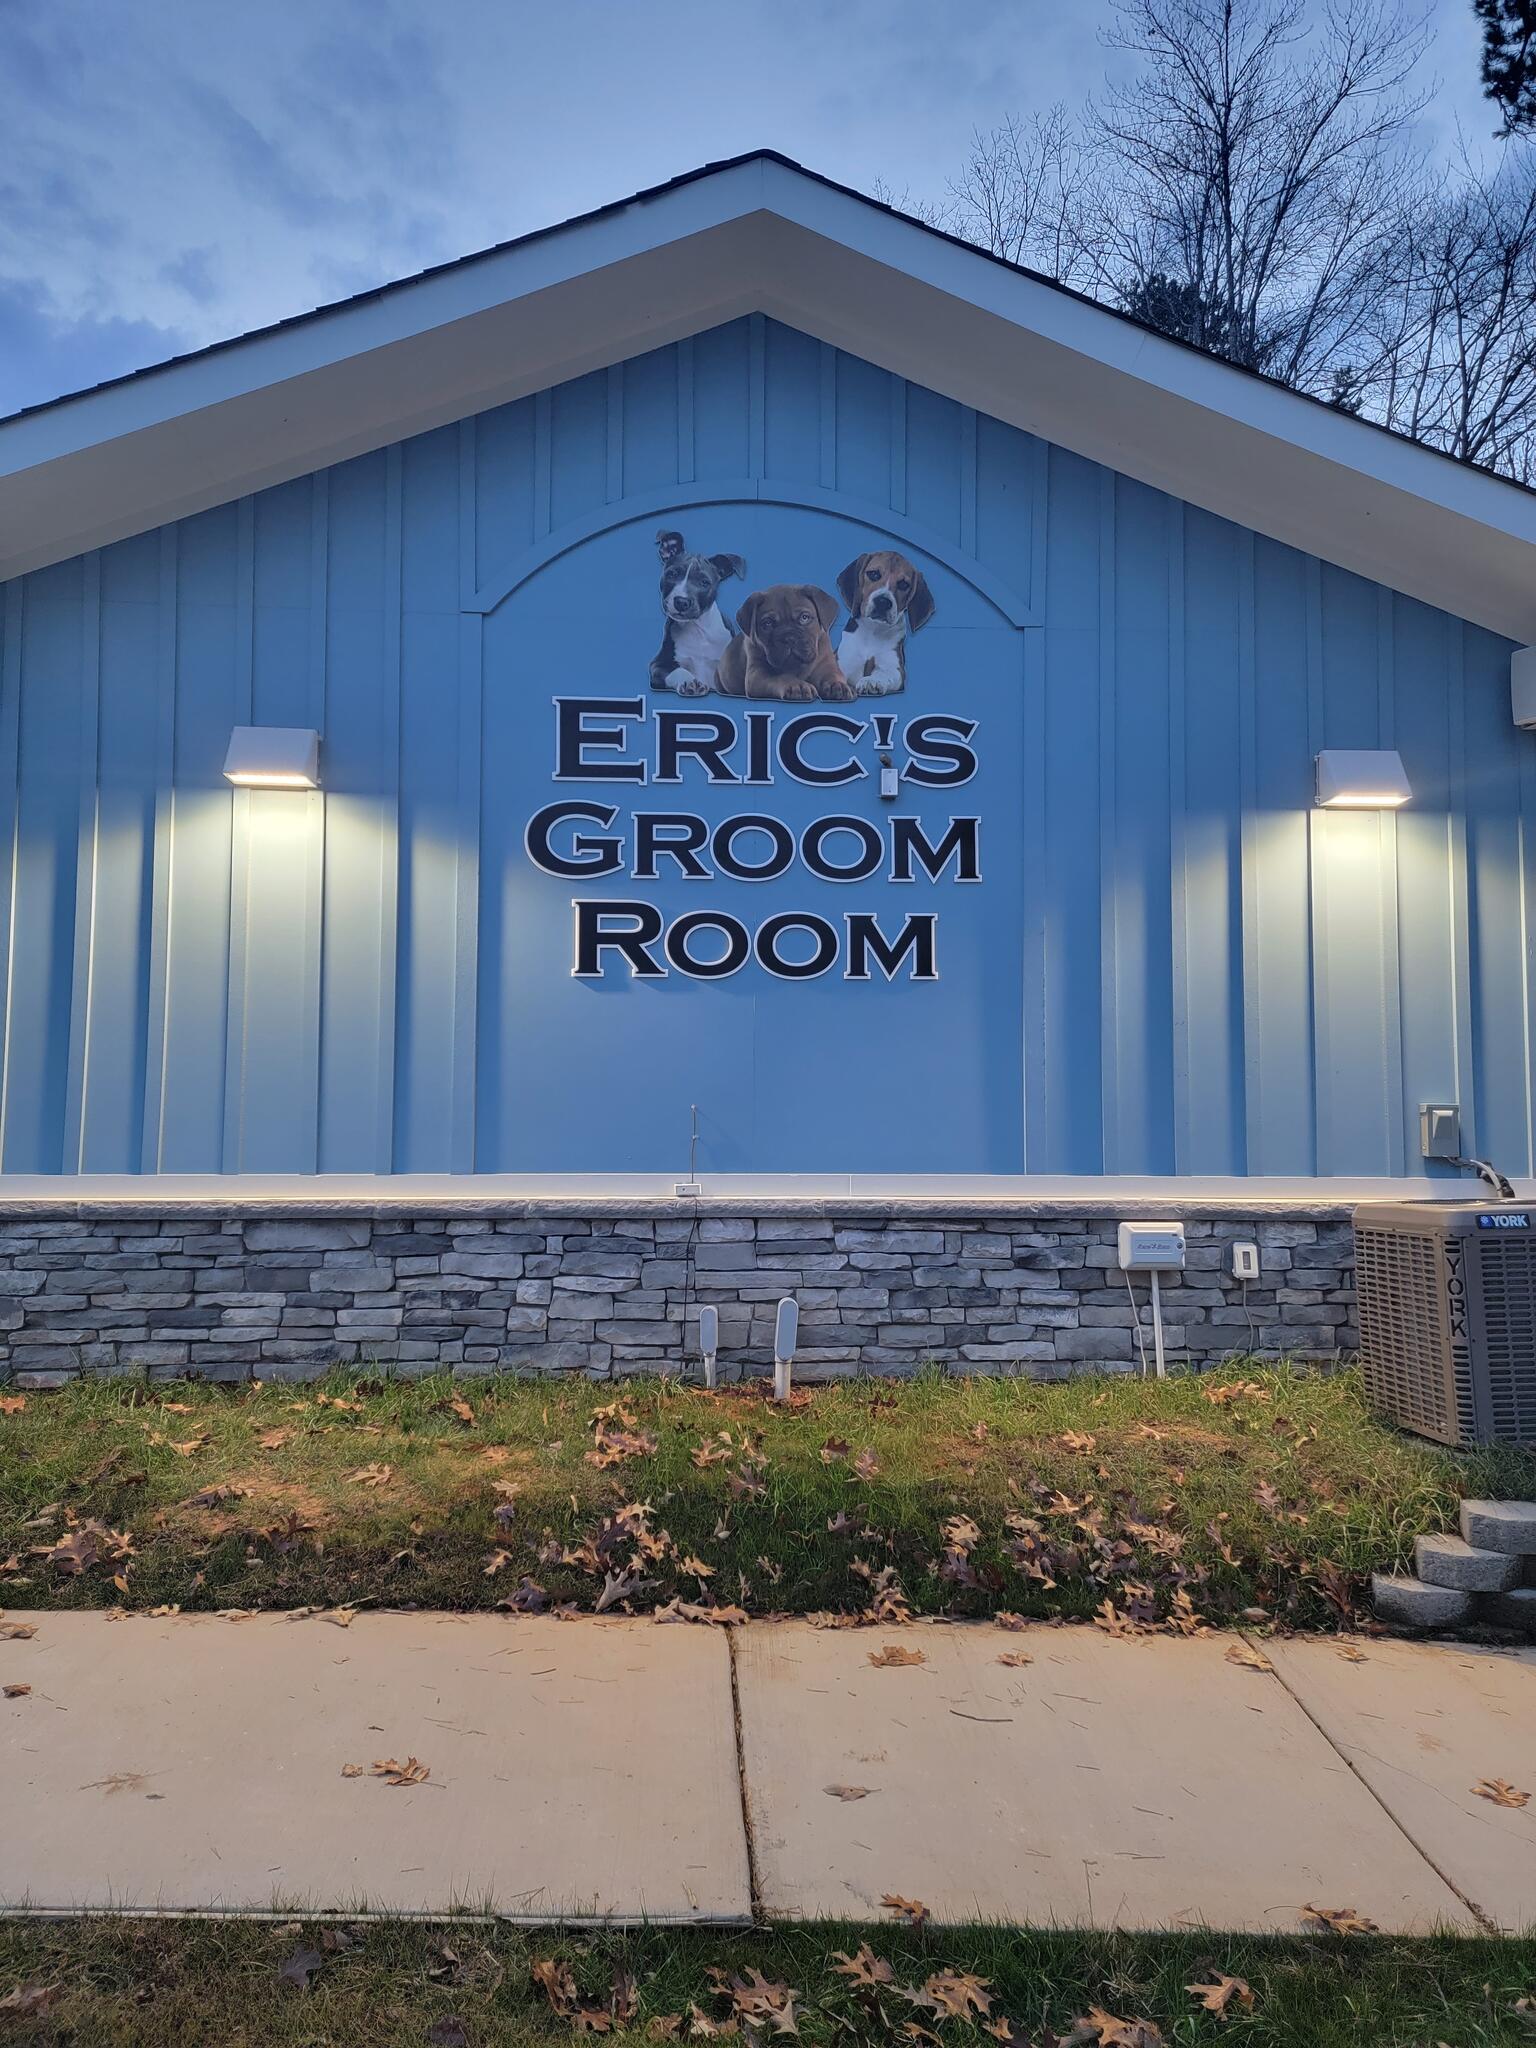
{"points": [[1357, 779], [273, 757]]}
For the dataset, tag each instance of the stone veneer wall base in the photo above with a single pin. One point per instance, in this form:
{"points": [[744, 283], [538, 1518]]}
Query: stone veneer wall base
{"points": [[231, 1290]]}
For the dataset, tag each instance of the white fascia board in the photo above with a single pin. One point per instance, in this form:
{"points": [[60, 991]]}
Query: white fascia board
{"points": [[762, 236]]}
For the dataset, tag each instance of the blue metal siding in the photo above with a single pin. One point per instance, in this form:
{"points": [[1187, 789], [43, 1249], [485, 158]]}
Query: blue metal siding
{"points": [[1181, 967]]}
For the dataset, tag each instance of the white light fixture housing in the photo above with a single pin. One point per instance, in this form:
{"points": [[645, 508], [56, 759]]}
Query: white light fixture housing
{"points": [[1359, 779], [273, 757]]}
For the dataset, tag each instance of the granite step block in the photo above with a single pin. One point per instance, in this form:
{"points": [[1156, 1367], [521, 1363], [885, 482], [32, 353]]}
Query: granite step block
{"points": [[1401, 1598], [1505, 1525], [1450, 1561]]}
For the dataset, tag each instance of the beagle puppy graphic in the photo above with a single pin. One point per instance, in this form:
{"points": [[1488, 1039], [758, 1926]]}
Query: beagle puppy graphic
{"points": [[886, 596], [782, 647]]}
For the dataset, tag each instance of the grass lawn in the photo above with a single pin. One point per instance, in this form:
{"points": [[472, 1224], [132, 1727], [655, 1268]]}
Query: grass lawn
{"points": [[182, 1984], [1199, 1495]]}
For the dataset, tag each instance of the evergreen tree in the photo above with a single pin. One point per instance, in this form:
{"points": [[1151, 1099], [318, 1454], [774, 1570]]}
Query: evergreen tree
{"points": [[1509, 60]]}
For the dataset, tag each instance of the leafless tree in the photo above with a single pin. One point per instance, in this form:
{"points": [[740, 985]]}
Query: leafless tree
{"points": [[1455, 328], [1252, 186]]}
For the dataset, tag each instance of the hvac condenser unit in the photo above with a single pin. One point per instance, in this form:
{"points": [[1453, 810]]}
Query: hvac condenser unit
{"points": [[1447, 1300]]}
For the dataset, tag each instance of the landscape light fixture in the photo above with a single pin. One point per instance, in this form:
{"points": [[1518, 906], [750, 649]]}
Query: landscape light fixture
{"points": [[1360, 779], [273, 757]]}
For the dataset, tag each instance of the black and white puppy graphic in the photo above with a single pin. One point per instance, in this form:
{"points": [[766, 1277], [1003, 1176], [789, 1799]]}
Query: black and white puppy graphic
{"points": [[887, 596], [696, 635]]}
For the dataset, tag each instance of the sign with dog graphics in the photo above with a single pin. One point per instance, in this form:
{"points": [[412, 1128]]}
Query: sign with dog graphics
{"points": [[777, 649], [779, 645]]}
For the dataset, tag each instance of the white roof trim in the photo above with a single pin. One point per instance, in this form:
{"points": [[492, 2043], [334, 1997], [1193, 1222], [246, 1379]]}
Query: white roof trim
{"points": [[761, 235]]}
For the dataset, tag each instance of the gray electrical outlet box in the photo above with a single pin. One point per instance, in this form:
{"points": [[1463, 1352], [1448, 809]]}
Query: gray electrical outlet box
{"points": [[1440, 1130]]}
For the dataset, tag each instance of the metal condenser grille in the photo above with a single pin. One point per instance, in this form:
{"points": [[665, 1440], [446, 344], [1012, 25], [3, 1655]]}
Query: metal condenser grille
{"points": [[1403, 1337], [1509, 1309]]}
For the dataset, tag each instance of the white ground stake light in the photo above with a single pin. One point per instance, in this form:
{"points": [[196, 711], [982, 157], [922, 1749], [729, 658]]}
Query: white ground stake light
{"points": [[785, 1332], [709, 1341]]}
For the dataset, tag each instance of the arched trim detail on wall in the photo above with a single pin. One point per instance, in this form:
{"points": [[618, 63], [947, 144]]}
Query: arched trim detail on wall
{"points": [[678, 498]]}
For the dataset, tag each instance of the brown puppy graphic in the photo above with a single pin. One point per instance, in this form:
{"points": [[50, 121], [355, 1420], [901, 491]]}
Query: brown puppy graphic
{"points": [[781, 648]]}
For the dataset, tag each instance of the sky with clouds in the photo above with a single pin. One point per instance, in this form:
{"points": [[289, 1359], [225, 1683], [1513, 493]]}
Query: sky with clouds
{"points": [[175, 171]]}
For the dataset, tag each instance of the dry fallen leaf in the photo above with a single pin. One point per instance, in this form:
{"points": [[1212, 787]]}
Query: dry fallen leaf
{"points": [[351, 1770], [300, 1968], [1340, 1919], [866, 1464], [913, 1911], [30, 2001], [959, 1994], [1015, 1659], [689, 1610], [843, 1791], [371, 1475], [1250, 1658], [863, 1966], [893, 1655], [1075, 1440], [411, 1772], [15, 1692], [17, 1631], [1222, 1992], [1351, 1654], [1117, 2033], [274, 1439], [12, 1404], [1500, 1792]]}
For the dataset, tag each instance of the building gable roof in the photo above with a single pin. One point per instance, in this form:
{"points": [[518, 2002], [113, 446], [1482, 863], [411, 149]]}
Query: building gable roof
{"points": [[760, 233]]}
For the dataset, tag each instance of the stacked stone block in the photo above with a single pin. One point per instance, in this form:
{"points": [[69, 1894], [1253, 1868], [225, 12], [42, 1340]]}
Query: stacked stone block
{"points": [[1487, 1573], [611, 1289]]}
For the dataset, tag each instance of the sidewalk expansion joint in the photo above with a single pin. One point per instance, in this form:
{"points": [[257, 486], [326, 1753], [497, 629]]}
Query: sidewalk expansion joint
{"points": [[1485, 1924], [759, 1915]]}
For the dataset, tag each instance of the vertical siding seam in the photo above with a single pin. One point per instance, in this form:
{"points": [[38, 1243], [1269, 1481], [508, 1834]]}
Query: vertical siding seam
{"points": [[1394, 1106], [1109, 1018], [1525, 772], [966, 428], [389, 817], [236, 1015], [1320, 1049], [826, 414], [1253, 1148], [467, 903], [686, 446], [898, 444], [1459, 888], [469, 509], [1035, 903], [1039, 523], [1178, 843], [312, 994], [543, 465], [162, 869], [757, 397], [78, 1026], [10, 766], [613, 423]]}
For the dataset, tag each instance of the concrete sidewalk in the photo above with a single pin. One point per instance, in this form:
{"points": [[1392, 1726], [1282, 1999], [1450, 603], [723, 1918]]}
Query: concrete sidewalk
{"points": [[616, 1769]]}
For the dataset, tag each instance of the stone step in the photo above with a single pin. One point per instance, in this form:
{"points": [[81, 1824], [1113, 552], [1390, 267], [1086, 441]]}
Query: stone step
{"points": [[1449, 1561], [1514, 1609], [1505, 1525], [1410, 1603]]}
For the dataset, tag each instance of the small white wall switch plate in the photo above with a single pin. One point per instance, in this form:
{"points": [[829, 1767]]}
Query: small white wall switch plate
{"points": [[890, 783], [1145, 1246], [1245, 1262]]}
